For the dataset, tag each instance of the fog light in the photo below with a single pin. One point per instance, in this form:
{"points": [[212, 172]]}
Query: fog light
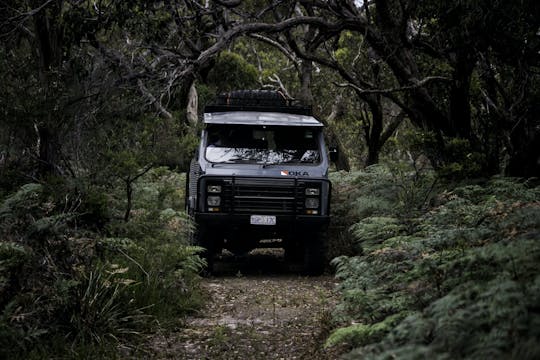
{"points": [[312, 191], [213, 201], [312, 203], [214, 189]]}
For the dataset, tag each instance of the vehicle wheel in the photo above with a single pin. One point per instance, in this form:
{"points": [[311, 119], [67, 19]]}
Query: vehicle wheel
{"points": [[293, 252], [314, 253], [192, 178]]}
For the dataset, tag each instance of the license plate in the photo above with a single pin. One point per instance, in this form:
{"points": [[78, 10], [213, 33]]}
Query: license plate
{"points": [[263, 220]]}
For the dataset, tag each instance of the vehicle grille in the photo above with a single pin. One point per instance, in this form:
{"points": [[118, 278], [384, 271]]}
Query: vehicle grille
{"points": [[264, 196]]}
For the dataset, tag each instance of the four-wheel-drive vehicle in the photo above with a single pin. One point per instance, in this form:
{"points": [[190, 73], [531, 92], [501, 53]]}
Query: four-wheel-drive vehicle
{"points": [[260, 173]]}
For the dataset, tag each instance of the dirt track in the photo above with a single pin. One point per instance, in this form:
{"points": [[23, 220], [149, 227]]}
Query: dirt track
{"points": [[258, 308]]}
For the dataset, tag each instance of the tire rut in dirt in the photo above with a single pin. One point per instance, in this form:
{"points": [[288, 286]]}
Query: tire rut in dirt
{"points": [[276, 315]]}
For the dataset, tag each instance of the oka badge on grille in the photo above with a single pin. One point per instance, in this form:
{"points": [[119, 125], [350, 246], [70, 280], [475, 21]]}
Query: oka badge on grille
{"points": [[294, 173]]}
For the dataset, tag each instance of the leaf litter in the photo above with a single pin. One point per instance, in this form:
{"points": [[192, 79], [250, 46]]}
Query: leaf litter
{"points": [[257, 317]]}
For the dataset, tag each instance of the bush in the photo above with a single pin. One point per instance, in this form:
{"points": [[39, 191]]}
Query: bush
{"points": [[375, 192], [452, 280], [73, 280], [232, 72], [153, 245]]}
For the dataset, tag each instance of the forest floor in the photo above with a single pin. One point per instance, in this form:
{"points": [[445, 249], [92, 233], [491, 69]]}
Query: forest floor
{"points": [[257, 308]]}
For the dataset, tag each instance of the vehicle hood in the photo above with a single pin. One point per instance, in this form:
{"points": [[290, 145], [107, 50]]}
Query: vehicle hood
{"points": [[299, 171]]}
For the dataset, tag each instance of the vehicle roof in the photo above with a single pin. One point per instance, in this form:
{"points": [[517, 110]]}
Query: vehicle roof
{"points": [[260, 118]]}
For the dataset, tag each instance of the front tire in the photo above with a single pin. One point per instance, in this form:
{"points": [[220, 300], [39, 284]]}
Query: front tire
{"points": [[294, 251], [314, 253]]}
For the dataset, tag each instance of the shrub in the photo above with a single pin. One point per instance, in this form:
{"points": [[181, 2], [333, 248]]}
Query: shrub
{"points": [[70, 286], [103, 311], [457, 279], [377, 191], [153, 245]]}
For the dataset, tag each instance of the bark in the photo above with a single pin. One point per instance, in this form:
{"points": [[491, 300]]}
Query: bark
{"points": [[153, 100], [389, 41], [306, 70], [129, 181], [48, 151], [460, 109], [343, 162], [192, 106], [48, 49], [129, 198], [373, 136]]}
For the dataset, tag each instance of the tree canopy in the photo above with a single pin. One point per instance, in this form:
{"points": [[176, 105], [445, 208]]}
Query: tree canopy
{"points": [[461, 73]]}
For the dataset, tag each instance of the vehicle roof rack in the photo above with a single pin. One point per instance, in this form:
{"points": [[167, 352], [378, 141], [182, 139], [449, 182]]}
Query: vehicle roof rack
{"points": [[257, 100]]}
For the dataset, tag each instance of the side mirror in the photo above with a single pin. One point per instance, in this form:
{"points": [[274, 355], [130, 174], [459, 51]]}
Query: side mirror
{"points": [[334, 153]]}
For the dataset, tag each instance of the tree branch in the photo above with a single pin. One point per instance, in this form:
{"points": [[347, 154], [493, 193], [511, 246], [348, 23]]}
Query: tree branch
{"points": [[416, 84], [291, 56], [152, 99]]}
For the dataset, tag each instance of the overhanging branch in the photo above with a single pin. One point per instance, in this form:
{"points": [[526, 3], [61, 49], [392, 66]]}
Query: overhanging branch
{"points": [[416, 84]]}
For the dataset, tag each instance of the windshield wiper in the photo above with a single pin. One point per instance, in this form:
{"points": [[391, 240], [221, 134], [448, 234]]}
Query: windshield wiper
{"points": [[222, 163], [265, 165], [239, 161]]}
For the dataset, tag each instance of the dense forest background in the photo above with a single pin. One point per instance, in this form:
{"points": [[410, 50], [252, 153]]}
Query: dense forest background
{"points": [[100, 103]]}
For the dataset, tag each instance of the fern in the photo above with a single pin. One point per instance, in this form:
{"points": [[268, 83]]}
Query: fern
{"points": [[67, 282], [361, 334], [466, 270], [27, 197], [372, 231]]}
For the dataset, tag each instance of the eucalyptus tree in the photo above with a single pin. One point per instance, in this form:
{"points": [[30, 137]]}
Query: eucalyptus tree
{"points": [[70, 67], [425, 58], [431, 55]]}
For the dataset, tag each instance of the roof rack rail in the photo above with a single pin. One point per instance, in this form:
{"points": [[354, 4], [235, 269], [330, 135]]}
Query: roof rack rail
{"points": [[257, 100]]}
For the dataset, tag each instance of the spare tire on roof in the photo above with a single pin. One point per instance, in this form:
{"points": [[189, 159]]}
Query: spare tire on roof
{"points": [[257, 100], [253, 98]]}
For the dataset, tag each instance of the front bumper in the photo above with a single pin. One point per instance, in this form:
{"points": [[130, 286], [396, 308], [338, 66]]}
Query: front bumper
{"points": [[242, 221]]}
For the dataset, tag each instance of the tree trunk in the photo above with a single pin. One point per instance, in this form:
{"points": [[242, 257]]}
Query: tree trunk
{"points": [[48, 152], [129, 197], [306, 69], [374, 143], [343, 162], [192, 106], [49, 54], [460, 108]]}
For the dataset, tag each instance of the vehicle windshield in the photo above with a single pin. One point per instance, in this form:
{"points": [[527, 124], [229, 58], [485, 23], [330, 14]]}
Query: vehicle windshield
{"points": [[262, 144]]}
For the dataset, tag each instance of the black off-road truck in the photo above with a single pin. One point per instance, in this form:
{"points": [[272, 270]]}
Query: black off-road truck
{"points": [[260, 173]]}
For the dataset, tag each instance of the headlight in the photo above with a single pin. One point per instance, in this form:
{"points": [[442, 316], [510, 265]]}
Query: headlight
{"points": [[312, 203], [312, 191], [213, 201], [214, 189]]}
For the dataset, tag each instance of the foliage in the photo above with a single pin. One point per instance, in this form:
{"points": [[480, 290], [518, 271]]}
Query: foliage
{"points": [[457, 278], [232, 72], [101, 101], [69, 287], [362, 334], [370, 196], [104, 313], [342, 215], [153, 247]]}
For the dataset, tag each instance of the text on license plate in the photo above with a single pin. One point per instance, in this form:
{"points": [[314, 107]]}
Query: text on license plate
{"points": [[263, 220]]}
